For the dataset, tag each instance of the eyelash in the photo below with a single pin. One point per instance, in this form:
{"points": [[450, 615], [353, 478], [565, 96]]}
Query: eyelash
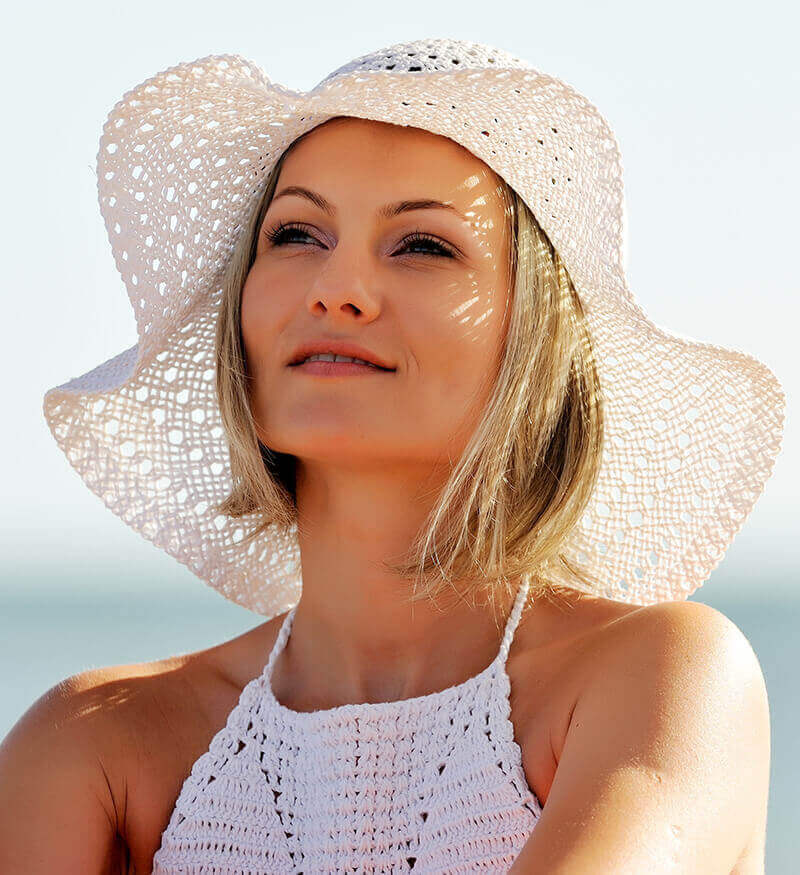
{"points": [[276, 235]]}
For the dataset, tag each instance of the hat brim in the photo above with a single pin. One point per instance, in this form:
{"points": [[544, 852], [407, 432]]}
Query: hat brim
{"points": [[692, 429]]}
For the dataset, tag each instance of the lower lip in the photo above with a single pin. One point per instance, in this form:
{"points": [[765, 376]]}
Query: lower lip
{"points": [[337, 369]]}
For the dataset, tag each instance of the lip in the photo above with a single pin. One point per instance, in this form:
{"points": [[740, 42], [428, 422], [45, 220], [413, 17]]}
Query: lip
{"points": [[337, 369], [337, 347]]}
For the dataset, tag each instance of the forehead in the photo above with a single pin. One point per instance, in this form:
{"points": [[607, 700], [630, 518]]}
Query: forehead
{"points": [[353, 155]]}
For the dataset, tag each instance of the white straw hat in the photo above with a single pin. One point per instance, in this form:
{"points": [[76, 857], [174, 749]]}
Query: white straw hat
{"points": [[692, 429]]}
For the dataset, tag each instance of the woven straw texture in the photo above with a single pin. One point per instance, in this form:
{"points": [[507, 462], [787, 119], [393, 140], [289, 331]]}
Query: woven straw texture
{"points": [[693, 429]]}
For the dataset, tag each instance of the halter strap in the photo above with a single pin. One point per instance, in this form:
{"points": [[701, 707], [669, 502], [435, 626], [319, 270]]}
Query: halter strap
{"points": [[513, 619]]}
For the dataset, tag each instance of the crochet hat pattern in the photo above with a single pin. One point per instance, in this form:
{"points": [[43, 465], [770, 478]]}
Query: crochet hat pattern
{"points": [[692, 430]]}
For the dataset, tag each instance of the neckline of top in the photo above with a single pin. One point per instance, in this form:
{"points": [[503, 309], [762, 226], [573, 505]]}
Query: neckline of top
{"points": [[363, 709]]}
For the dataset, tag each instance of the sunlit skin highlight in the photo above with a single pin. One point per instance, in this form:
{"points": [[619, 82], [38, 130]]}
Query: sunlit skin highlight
{"points": [[372, 450]]}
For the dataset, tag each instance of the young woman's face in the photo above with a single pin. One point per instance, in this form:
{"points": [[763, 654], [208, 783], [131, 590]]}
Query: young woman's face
{"points": [[426, 290]]}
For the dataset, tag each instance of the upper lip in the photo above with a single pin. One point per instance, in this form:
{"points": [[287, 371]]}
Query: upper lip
{"points": [[337, 347]]}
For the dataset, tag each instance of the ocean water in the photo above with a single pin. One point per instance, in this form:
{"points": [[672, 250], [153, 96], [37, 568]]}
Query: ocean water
{"points": [[48, 633]]}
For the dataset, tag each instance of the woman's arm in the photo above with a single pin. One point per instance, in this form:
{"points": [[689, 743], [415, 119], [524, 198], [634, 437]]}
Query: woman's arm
{"points": [[665, 767], [57, 811]]}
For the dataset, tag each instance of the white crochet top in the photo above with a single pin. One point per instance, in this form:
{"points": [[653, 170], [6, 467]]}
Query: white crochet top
{"points": [[433, 783]]}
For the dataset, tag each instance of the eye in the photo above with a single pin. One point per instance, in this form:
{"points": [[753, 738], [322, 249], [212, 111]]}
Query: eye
{"points": [[279, 234], [417, 243], [435, 247]]}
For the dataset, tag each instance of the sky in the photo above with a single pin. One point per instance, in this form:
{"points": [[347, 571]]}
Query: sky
{"points": [[702, 98]]}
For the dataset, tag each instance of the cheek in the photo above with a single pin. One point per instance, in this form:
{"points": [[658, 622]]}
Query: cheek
{"points": [[467, 326], [260, 318], [459, 343]]}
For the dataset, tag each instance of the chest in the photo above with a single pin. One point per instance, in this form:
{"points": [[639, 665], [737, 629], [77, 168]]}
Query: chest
{"points": [[540, 706]]}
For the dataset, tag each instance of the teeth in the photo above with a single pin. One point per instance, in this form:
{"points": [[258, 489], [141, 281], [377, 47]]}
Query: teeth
{"points": [[330, 357]]}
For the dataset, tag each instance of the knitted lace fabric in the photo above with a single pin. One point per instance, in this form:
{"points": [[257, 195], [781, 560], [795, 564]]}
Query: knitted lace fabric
{"points": [[434, 784], [692, 429]]}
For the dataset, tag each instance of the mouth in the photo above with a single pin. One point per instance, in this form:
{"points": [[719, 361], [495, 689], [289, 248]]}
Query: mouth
{"points": [[339, 369]]}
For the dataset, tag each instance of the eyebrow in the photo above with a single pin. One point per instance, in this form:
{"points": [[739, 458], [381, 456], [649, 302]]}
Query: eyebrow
{"points": [[386, 212]]}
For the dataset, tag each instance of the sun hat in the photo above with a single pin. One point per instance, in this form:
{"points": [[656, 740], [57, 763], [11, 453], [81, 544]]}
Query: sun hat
{"points": [[692, 429]]}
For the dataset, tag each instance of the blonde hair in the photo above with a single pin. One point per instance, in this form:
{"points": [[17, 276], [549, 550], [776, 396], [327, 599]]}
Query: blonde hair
{"points": [[528, 470]]}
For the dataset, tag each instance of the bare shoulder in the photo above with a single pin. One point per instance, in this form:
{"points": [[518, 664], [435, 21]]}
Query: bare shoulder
{"points": [[597, 631], [696, 649], [550, 666], [709, 660], [675, 700], [695, 646], [63, 771], [652, 712], [129, 735]]}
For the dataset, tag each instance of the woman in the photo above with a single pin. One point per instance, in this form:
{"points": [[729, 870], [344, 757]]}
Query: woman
{"points": [[474, 676]]}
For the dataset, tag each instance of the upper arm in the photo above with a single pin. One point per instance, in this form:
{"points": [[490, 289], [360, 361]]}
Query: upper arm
{"points": [[665, 766], [57, 812]]}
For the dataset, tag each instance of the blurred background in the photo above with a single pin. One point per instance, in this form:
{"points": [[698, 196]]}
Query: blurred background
{"points": [[703, 100]]}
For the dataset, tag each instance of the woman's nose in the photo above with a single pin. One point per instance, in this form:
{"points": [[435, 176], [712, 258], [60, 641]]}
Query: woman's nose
{"points": [[344, 288]]}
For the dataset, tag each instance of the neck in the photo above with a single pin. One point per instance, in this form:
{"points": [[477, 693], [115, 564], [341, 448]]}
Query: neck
{"points": [[355, 637]]}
